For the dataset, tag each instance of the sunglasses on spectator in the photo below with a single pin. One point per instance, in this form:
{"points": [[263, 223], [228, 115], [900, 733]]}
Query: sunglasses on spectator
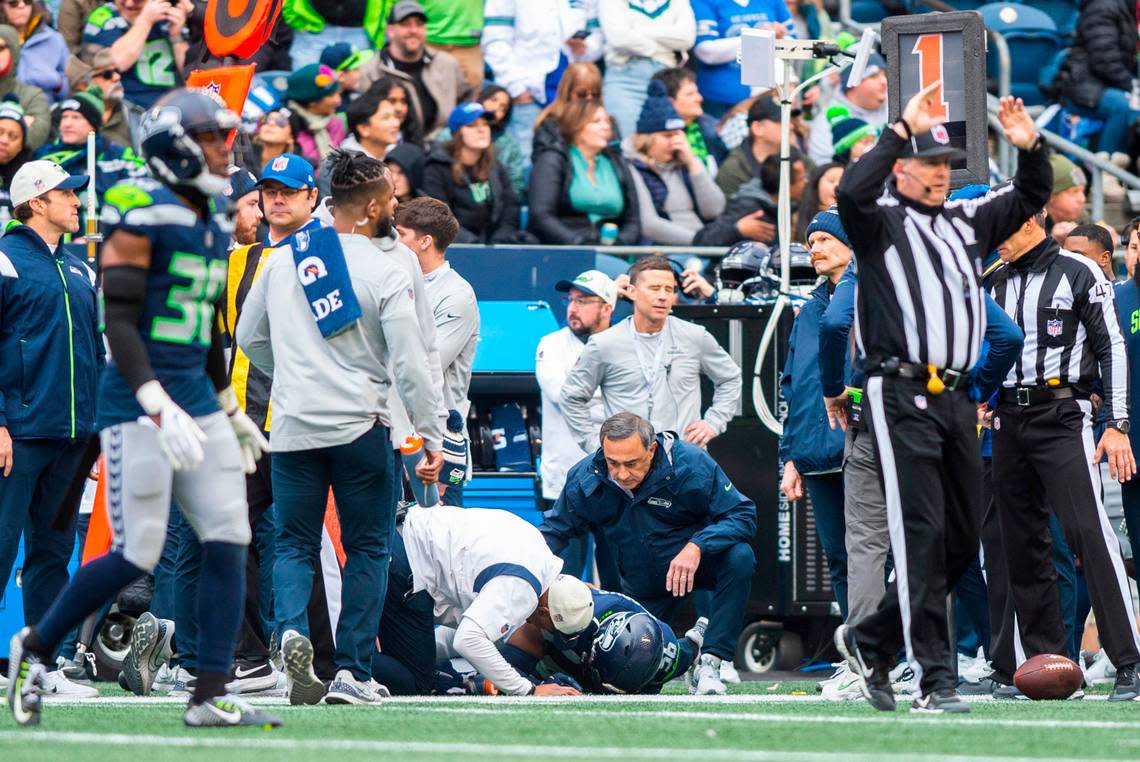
{"points": [[17, 3], [277, 118], [106, 74]]}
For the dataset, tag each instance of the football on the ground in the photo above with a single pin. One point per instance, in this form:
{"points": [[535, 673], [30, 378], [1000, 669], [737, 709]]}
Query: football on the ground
{"points": [[1048, 677]]}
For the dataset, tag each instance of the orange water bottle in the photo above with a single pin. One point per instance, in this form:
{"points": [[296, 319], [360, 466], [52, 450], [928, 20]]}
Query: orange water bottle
{"points": [[412, 453]]}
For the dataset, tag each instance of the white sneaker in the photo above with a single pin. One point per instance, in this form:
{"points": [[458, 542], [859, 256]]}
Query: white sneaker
{"points": [[728, 673], [842, 686], [706, 677], [346, 689], [840, 668], [1101, 671], [973, 670], [3, 682], [379, 689], [56, 684], [184, 682], [164, 679], [902, 680]]}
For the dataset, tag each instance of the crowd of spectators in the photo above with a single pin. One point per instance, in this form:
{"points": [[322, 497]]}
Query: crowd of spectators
{"points": [[570, 123]]}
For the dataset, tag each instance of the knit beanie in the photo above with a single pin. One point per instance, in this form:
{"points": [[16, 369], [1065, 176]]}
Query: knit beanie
{"points": [[828, 222], [311, 83], [11, 109], [1066, 174], [89, 104], [846, 131], [657, 113]]}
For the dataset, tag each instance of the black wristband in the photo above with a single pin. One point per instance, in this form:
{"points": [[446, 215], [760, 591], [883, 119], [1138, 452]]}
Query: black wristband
{"points": [[905, 126]]}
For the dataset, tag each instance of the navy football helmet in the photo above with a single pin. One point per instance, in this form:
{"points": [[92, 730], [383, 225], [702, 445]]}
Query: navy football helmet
{"points": [[168, 132], [627, 651], [745, 272]]}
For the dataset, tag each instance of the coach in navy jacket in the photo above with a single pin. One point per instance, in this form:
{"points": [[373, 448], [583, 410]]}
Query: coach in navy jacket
{"points": [[676, 507], [51, 352]]}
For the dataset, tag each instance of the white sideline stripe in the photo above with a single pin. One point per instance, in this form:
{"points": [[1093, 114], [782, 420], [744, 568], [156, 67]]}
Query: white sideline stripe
{"points": [[576, 708], [324, 746]]}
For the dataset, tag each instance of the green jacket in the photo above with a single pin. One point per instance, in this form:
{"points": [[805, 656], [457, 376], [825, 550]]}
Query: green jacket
{"points": [[739, 167], [301, 16]]}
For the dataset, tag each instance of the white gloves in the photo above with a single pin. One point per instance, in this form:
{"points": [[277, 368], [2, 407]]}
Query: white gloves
{"points": [[252, 442], [180, 437]]}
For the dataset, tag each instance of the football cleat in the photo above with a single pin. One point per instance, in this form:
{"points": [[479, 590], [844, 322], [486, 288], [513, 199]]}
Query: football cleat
{"points": [[25, 676], [227, 712], [297, 653]]}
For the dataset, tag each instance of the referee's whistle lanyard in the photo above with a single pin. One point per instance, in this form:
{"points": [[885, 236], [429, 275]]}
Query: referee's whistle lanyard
{"points": [[650, 371]]}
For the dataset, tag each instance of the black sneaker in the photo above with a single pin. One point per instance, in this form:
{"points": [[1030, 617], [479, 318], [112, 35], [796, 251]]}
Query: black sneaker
{"points": [[943, 701], [874, 679], [1006, 692], [1127, 685], [984, 687], [252, 677]]}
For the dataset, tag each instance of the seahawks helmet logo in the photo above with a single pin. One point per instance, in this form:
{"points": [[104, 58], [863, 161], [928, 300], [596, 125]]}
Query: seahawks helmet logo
{"points": [[611, 628]]}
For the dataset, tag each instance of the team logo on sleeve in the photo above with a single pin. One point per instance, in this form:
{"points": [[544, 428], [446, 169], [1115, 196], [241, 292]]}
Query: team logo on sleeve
{"points": [[301, 240], [310, 270]]}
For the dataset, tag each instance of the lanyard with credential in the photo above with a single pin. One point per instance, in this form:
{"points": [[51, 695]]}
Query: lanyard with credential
{"points": [[650, 372]]}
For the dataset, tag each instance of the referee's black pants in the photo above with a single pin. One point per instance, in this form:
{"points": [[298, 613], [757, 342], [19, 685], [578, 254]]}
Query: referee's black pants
{"points": [[931, 472], [1043, 459]]}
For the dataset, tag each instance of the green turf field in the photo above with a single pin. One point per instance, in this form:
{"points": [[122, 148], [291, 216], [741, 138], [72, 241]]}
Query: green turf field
{"points": [[757, 722]]}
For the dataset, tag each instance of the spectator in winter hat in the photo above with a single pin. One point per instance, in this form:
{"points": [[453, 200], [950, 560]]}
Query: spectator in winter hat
{"points": [[14, 152], [346, 61], [1067, 203], [313, 96], [851, 137], [866, 100], [676, 195], [79, 115]]}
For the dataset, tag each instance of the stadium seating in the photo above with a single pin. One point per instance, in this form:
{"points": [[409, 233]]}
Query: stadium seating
{"points": [[1034, 43]]}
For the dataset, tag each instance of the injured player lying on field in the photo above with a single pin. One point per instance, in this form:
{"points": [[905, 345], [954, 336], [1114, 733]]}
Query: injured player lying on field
{"points": [[596, 641]]}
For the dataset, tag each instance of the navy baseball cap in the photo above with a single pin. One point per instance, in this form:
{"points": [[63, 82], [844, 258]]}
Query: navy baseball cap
{"points": [[290, 170], [466, 113], [242, 182], [342, 56]]}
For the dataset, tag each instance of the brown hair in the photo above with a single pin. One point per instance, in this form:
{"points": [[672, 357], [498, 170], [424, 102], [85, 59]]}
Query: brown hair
{"points": [[654, 262], [480, 171], [578, 77], [429, 216], [576, 117], [23, 212]]}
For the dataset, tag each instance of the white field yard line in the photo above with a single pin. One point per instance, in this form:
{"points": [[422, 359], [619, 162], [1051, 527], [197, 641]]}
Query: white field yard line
{"points": [[323, 746], [581, 709]]}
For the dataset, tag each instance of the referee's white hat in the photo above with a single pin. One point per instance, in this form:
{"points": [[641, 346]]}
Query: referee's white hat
{"points": [[571, 604]]}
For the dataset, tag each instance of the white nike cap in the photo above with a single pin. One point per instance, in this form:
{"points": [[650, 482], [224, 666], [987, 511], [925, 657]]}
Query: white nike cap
{"points": [[571, 604], [36, 178]]}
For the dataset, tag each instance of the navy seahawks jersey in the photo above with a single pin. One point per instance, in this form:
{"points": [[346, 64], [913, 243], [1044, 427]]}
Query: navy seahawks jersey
{"points": [[188, 263], [570, 653], [155, 72]]}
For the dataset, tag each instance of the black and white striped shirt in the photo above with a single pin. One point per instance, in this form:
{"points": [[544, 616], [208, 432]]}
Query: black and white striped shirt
{"points": [[920, 296], [1066, 308]]}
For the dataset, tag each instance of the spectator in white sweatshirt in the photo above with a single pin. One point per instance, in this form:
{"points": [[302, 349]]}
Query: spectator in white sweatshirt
{"points": [[642, 37], [528, 44]]}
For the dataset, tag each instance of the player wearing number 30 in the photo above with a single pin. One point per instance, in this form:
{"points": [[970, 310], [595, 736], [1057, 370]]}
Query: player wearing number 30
{"points": [[169, 422]]}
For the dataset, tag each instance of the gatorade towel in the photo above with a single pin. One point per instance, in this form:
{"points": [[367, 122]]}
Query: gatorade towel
{"points": [[512, 445], [239, 27]]}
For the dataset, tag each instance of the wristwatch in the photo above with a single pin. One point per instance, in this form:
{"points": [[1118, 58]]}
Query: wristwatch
{"points": [[1123, 425]]}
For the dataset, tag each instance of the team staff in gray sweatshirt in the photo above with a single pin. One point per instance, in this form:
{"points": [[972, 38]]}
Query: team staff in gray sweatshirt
{"points": [[650, 364], [331, 412]]}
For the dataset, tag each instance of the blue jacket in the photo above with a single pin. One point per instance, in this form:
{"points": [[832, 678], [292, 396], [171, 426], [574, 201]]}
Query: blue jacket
{"points": [[50, 341], [685, 497], [43, 62], [808, 440], [1128, 309]]}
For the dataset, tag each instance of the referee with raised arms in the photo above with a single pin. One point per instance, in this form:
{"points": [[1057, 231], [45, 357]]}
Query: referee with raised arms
{"points": [[920, 316], [1045, 455]]}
